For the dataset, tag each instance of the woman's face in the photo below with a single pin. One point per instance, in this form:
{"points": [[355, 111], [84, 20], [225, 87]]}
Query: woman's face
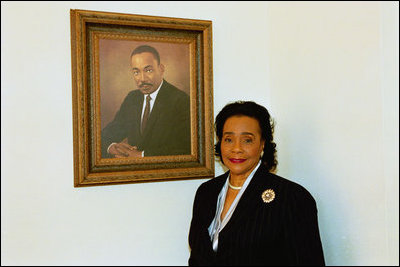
{"points": [[241, 145]]}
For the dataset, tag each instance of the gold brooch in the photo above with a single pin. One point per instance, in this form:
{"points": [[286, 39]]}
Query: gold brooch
{"points": [[268, 195]]}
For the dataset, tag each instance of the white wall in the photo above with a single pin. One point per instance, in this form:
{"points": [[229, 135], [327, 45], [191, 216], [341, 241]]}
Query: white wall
{"points": [[334, 93], [326, 71]]}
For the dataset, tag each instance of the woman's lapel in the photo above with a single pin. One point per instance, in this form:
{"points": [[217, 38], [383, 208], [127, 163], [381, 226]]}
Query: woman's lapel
{"points": [[249, 200]]}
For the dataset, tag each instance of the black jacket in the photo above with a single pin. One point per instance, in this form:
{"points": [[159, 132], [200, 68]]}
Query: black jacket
{"points": [[281, 232], [168, 127]]}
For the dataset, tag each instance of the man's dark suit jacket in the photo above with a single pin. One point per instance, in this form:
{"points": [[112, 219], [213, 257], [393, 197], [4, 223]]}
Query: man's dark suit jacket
{"points": [[168, 128], [282, 232]]}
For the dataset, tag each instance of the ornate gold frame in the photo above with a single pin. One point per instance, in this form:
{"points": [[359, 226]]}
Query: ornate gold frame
{"points": [[87, 28]]}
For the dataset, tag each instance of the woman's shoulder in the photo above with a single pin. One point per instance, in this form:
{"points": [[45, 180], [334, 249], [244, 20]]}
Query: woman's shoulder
{"points": [[213, 184], [291, 189]]}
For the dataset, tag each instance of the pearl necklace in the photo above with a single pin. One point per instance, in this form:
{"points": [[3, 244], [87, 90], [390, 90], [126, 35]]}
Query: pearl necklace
{"points": [[234, 187]]}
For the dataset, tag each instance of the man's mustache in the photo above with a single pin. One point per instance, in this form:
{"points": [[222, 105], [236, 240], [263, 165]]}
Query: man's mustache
{"points": [[144, 84]]}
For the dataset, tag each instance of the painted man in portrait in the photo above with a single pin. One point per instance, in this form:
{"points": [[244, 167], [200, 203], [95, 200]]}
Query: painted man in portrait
{"points": [[153, 120]]}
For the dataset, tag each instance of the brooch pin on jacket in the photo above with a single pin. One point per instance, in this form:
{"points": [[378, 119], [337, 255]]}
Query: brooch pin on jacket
{"points": [[268, 195]]}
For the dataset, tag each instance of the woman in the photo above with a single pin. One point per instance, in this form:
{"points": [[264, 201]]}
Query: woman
{"points": [[250, 216]]}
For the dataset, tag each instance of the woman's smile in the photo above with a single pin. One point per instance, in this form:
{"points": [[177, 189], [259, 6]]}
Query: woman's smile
{"points": [[237, 160]]}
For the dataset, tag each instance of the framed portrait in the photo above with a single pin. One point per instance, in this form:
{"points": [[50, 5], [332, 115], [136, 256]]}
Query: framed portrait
{"points": [[142, 93]]}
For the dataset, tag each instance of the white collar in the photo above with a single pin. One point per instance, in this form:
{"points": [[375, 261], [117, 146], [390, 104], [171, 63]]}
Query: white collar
{"points": [[217, 225], [155, 93]]}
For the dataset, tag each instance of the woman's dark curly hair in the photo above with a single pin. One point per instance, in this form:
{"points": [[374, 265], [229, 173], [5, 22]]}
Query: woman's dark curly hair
{"points": [[261, 114]]}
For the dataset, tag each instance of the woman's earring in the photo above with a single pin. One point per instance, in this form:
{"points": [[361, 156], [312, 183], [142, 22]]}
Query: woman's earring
{"points": [[262, 154]]}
